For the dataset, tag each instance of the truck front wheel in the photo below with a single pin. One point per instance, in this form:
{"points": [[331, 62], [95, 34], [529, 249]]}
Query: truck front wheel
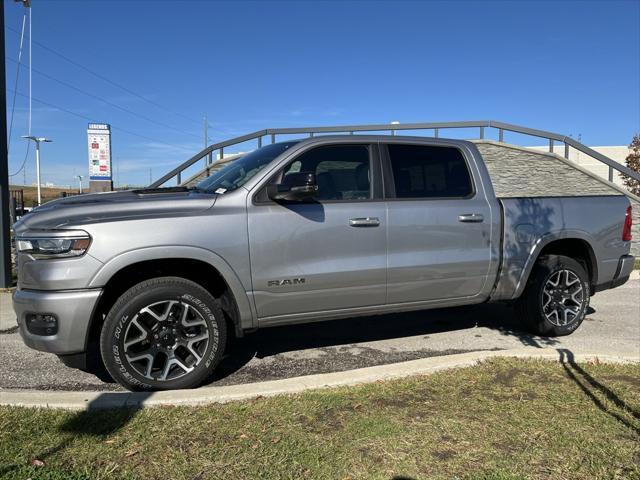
{"points": [[163, 334], [556, 297]]}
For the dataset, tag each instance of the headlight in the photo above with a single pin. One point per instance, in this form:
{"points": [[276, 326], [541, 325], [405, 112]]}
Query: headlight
{"points": [[54, 246]]}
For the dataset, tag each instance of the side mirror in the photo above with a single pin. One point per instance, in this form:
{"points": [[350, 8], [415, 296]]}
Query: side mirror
{"points": [[295, 187]]}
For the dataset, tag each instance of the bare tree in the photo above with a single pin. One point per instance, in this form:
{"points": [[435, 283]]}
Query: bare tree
{"points": [[633, 162]]}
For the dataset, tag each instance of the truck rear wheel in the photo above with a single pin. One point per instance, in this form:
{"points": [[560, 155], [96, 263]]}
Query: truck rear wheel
{"points": [[163, 334], [556, 297]]}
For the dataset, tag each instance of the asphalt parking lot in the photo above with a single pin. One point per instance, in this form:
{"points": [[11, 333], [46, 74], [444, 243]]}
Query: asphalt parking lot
{"points": [[612, 327]]}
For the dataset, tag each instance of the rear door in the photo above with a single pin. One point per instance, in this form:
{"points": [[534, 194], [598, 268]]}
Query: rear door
{"points": [[329, 254], [439, 225]]}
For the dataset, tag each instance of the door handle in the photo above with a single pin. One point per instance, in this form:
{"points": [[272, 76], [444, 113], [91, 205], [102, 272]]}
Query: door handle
{"points": [[471, 218], [364, 222]]}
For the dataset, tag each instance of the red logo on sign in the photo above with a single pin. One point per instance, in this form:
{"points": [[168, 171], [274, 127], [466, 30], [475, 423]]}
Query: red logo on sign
{"points": [[95, 145], [103, 168]]}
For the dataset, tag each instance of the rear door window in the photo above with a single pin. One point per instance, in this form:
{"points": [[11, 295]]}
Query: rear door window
{"points": [[425, 171]]}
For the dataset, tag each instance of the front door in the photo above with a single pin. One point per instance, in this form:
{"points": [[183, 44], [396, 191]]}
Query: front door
{"points": [[325, 255]]}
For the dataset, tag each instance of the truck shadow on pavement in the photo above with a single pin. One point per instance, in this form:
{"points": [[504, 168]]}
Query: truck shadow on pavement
{"points": [[351, 332], [329, 337]]}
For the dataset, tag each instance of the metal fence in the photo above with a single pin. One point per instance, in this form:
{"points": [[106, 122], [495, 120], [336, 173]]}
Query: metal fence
{"points": [[435, 128], [16, 204], [17, 197]]}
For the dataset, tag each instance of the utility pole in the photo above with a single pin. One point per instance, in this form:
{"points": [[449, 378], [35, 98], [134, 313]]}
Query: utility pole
{"points": [[38, 140], [5, 224]]}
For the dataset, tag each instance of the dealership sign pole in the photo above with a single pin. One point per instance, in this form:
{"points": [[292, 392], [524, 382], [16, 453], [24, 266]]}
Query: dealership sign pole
{"points": [[99, 140]]}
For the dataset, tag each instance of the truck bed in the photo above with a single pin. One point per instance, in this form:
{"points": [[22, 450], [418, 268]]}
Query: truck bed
{"points": [[530, 223]]}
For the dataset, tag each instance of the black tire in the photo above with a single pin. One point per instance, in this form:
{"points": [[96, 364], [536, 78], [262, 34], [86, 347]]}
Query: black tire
{"points": [[130, 317], [530, 306]]}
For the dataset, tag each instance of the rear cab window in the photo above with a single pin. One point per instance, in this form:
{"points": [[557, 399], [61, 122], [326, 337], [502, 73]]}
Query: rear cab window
{"points": [[429, 171]]}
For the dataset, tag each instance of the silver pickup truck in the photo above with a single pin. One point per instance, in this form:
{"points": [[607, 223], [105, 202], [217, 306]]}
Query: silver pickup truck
{"points": [[156, 281]]}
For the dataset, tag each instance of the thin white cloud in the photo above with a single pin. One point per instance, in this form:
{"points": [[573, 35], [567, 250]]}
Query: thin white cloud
{"points": [[178, 148], [134, 165], [333, 112]]}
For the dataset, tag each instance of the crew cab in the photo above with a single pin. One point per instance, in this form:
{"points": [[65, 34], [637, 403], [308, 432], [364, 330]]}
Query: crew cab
{"points": [[155, 281]]}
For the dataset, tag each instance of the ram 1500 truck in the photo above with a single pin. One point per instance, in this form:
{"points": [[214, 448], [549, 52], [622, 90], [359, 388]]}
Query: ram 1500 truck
{"points": [[158, 280]]}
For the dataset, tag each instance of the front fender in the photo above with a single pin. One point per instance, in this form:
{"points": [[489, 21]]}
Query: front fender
{"points": [[117, 263]]}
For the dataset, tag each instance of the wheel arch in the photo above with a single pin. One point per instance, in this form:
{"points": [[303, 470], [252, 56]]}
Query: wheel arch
{"points": [[199, 265], [573, 244]]}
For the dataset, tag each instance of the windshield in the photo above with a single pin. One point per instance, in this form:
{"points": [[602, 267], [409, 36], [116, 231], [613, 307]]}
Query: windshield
{"points": [[238, 172]]}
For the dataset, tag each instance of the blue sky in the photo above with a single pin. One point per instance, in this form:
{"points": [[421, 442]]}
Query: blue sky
{"points": [[568, 67]]}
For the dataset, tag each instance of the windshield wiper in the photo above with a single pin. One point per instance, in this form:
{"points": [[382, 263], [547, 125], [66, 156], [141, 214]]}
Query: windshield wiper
{"points": [[150, 191], [197, 189]]}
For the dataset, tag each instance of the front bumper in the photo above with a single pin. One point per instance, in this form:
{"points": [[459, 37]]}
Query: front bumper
{"points": [[73, 309]]}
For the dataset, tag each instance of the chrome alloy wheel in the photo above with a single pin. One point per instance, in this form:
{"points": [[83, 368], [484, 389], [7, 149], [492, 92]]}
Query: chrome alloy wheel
{"points": [[166, 340], [563, 297]]}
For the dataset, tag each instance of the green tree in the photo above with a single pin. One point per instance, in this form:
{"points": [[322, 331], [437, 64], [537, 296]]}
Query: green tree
{"points": [[633, 162]]}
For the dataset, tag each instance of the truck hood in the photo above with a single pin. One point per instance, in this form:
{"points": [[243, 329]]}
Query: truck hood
{"points": [[110, 206]]}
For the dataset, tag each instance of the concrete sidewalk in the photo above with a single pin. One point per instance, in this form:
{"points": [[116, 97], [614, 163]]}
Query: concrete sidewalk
{"points": [[7, 315]]}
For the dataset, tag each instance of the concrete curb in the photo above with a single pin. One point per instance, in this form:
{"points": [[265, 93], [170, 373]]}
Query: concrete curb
{"points": [[213, 394]]}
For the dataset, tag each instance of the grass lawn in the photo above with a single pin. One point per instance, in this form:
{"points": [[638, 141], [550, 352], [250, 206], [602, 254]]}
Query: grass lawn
{"points": [[504, 419]]}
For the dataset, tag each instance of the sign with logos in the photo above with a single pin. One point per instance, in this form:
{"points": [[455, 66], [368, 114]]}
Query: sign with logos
{"points": [[99, 139]]}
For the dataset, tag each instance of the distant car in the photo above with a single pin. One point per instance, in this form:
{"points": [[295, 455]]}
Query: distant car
{"points": [[328, 227]]}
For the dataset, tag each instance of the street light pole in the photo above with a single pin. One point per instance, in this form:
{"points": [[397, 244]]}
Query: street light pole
{"points": [[38, 140], [80, 183], [39, 183]]}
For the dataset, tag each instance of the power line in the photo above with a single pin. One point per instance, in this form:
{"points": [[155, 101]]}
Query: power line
{"points": [[84, 117], [105, 79], [13, 106], [108, 102], [15, 84], [24, 162]]}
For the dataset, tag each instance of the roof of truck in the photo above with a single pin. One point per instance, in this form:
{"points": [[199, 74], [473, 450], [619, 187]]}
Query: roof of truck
{"points": [[377, 138]]}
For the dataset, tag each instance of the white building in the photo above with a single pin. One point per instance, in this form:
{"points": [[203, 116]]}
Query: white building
{"points": [[617, 153]]}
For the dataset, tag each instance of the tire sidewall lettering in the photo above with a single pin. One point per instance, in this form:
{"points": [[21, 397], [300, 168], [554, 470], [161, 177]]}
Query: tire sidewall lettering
{"points": [[128, 311]]}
